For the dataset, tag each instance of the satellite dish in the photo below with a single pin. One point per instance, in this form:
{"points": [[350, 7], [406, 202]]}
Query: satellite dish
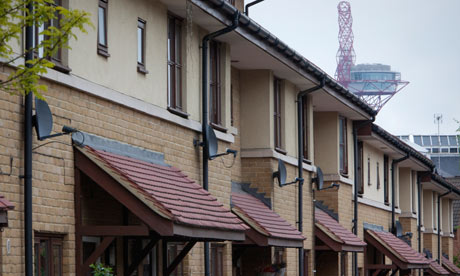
{"points": [[212, 142], [43, 119], [319, 179], [399, 230], [281, 173]]}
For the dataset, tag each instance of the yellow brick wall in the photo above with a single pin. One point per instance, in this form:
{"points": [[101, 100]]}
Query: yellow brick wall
{"points": [[447, 244]]}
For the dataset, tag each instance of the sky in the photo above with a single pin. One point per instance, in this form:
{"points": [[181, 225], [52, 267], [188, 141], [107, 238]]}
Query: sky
{"points": [[419, 38]]}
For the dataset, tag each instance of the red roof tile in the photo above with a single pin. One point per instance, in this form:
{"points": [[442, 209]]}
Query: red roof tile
{"points": [[262, 219], [345, 236], [169, 192], [437, 268], [399, 248], [5, 204], [449, 265]]}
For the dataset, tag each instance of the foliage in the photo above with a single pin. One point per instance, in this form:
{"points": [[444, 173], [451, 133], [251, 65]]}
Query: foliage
{"points": [[14, 18], [457, 260], [101, 270]]}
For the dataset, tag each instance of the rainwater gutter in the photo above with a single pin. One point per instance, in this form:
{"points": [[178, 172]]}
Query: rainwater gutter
{"points": [[204, 117], [300, 96], [246, 8]]}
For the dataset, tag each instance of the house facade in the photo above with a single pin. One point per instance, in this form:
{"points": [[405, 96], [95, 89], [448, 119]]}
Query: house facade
{"points": [[130, 188]]}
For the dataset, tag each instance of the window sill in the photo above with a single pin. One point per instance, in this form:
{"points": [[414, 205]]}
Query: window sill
{"points": [[282, 151], [219, 127], [103, 52], [178, 112], [307, 161], [141, 69], [344, 174], [61, 68]]}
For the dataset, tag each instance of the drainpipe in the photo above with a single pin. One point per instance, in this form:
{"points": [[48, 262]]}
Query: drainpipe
{"points": [[419, 227], [393, 193], [28, 243], [204, 117], [246, 9], [356, 127], [439, 223], [300, 96]]}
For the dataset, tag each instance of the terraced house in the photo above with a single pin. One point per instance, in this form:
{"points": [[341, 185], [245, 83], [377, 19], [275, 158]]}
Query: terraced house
{"points": [[201, 143]]}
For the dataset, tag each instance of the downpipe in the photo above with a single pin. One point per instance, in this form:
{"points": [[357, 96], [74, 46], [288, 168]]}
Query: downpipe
{"points": [[439, 223], [204, 118], [300, 96], [393, 192], [356, 127]]}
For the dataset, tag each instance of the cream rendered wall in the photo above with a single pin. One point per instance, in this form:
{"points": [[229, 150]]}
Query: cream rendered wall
{"points": [[428, 209], [256, 107], [405, 189], [310, 126], [119, 71], [326, 141], [445, 214], [371, 191]]}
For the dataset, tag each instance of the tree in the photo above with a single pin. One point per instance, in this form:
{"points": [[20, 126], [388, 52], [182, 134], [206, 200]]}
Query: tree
{"points": [[55, 25]]}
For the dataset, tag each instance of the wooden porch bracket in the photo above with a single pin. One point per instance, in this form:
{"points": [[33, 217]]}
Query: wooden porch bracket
{"points": [[179, 257], [114, 230], [97, 253], [141, 256], [395, 271]]}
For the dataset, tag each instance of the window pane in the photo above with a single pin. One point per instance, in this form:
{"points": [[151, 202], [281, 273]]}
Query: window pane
{"points": [[140, 42], [41, 37], [44, 258], [435, 140], [101, 26], [178, 88], [453, 140], [426, 140]]}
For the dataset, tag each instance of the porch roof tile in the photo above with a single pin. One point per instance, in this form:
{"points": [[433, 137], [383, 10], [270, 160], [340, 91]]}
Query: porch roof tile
{"points": [[449, 265], [171, 193]]}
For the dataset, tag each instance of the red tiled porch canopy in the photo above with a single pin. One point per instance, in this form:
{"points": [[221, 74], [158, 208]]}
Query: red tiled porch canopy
{"points": [[436, 269], [267, 228], [335, 236], [399, 252], [450, 266], [5, 206], [162, 197]]}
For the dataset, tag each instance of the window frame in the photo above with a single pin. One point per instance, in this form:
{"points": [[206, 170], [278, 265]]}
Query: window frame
{"points": [[378, 175], [173, 250], [103, 49], [215, 84], [51, 240], [175, 65], [142, 25], [343, 146], [217, 253], [57, 61], [369, 171], [277, 116], [360, 176], [305, 128], [386, 186]]}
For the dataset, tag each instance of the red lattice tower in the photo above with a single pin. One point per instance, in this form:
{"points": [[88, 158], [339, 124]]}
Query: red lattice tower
{"points": [[346, 54]]}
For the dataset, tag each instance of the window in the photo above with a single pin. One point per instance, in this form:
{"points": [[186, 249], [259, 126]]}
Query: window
{"points": [[174, 250], [277, 113], [48, 255], [215, 49], [360, 176], [141, 46], [453, 150], [305, 126], [414, 192], [435, 150], [232, 119], [386, 186], [343, 160], [39, 37], [279, 256], [378, 175], [217, 259], [435, 212], [102, 44], [174, 62], [444, 150], [368, 171]]}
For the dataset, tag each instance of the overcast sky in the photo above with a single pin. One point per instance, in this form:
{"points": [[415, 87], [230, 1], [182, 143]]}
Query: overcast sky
{"points": [[419, 38]]}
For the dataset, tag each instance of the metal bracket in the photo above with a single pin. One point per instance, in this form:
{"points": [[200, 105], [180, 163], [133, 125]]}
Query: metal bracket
{"points": [[11, 168]]}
